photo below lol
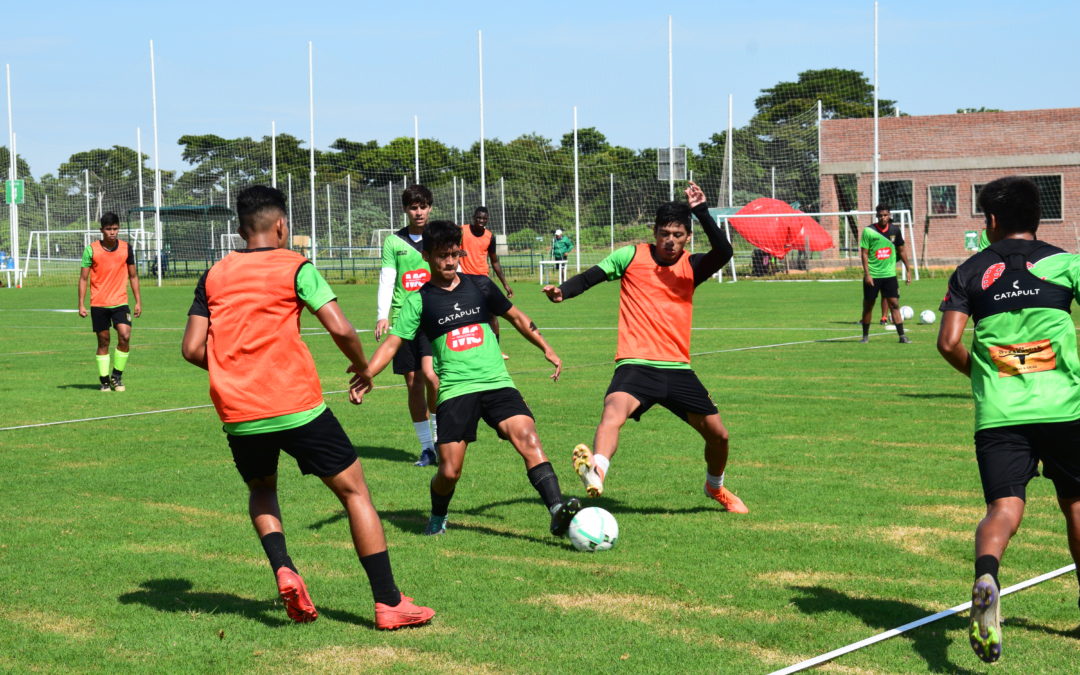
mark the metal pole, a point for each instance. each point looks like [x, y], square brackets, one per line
[13, 172]
[348, 208]
[311, 150]
[670, 116]
[611, 208]
[138, 151]
[86, 191]
[228, 200]
[416, 147]
[502, 204]
[483, 168]
[731, 157]
[773, 182]
[273, 153]
[453, 211]
[329, 224]
[877, 155]
[290, 211]
[48, 237]
[577, 201]
[390, 197]
[157, 164]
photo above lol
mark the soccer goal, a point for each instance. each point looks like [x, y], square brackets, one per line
[58, 252]
[229, 242]
[378, 236]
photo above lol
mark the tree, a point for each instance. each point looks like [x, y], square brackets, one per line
[843, 94]
[965, 111]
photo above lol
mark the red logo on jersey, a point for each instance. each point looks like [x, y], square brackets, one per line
[883, 253]
[993, 273]
[466, 337]
[413, 280]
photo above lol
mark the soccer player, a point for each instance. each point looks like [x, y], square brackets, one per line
[878, 246]
[478, 245]
[244, 328]
[453, 310]
[404, 272]
[652, 362]
[1025, 379]
[109, 265]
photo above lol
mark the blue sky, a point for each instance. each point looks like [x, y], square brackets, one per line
[81, 74]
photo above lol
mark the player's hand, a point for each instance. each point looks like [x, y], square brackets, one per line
[357, 391]
[695, 195]
[138, 309]
[381, 327]
[867, 280]
[509, 292]
[554, 359]
[359, 384]
[554, 293]
[82, 311]
[908, 281]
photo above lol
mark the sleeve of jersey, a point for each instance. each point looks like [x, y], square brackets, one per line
[496, 302]
[956, 298]
[88, 256]
[864, 239]
[1062, 269]
[899, 236]
[199, 306]
[615, 264]
[407, 322]
[387, 279]
[312, 288]
[131, 255]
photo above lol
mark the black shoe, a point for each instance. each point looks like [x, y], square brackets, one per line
[560, 520]
[865, 339]
[105, 384]
[117, 381]
[905, 340]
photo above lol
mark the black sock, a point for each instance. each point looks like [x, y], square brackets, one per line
[987, 564]
[274, 545]
[543, 478]
[104, 379]
[865, 330]
[381, 578]
[900, 329]
[440, 504]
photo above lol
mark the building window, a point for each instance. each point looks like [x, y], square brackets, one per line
[1050, 196]
[942, 200]
[896, 194]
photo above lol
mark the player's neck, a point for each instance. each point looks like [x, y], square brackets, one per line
[415, 229]
[445, 284]
[477, 231]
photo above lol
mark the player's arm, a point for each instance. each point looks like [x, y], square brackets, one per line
[864, 255]
[84, 275]
[950, 342]
[576, 285]
[497, 266]
[387, 279]
[193, 346]
[720, 252]
[133, 278]
[530, 332]
[903, 253]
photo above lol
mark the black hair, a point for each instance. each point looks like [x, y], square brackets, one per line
[1014, 203]
[255, 202]
[478, 210]
[414, 194]
[441, 235]
[673, 212]
[881, 207]
[109, 218]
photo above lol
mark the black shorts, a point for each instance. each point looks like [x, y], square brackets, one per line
[102, 318]
[459, 416]
[319, 447]
[407, 359]
[888, 287]
[677, 389]
[1009, 458]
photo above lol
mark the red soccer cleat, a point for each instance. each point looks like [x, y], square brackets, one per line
[402, 615]
[727, 499]
[298, 603]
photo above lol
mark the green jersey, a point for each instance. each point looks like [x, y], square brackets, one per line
[1024, 363]
[466, 356]
[402, 254]
[881, 246]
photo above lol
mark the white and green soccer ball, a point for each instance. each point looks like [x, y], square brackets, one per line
[593, 529]
[906, 312]
[927, 316]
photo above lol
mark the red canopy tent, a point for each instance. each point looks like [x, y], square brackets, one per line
[778, 236]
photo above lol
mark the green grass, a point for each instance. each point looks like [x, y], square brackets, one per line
[125, 543]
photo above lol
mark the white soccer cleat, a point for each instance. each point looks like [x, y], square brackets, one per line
[591, 476]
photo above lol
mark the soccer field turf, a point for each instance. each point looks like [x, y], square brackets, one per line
[126, 545]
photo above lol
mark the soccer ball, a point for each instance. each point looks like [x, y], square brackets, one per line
[906, 312]
[927, 316]
[593, 529]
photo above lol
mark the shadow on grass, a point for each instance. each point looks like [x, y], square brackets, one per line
[959, 397]
[931, 642]
[78, 386]
[1014, 622]
[175, 595]
[381, 452]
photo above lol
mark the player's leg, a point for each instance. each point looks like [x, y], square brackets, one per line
[891, 292]
[431, 391]
[632, 391]
[99, 320]
[443, 484]
[870, 294]
[715, 434]
[507, 413]
[122, 321]
[885, 311]
[1062, 466]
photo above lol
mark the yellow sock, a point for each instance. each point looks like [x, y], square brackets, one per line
[102, 365]
[120, 360]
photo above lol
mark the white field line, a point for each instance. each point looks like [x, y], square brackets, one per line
[339, 391]
[880, 637]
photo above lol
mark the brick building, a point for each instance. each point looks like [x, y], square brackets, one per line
[934, 165]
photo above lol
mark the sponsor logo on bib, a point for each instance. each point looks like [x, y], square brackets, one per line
[993, 273]
[1023, 358]
[414, 279]
[883, 253]
[465, 338]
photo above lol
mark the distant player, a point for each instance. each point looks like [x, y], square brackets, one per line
[403, 273]
[878, 247]
[1025, 379]
[244, 327]
[652, 363]
[453, 310]
[109, 264]
[479, 246]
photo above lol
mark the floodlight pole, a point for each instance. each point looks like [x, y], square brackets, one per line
[390, 199]
[577, 201]
[453, 211]
[138, 151]
[348, 208]
[329, 224]
[502, 205]
[611, 208]
[157, 164]
[670, 116]
[273, 154]
[483, 168]
[228, 201]
[86, 191]
[48, 236]
[730, 152]
[416, 147]
[877, 152]
[13, 172]
[311, 150]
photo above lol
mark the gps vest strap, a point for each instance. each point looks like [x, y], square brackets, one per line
[1017, 288]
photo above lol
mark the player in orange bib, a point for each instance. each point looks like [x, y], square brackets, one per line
[478, 244]
[109, 265]
[652, 362]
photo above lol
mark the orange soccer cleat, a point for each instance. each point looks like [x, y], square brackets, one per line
[727, 499]
[298, 603]
[405, 613]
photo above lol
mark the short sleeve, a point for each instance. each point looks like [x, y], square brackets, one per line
[615, 264]
[312, 288]
[199, 306]
[131, 255]
[407, 322]
[899, 241]
[864, 239]
[956, 298]
[88, 256]
[496, 302]
[1062, 269]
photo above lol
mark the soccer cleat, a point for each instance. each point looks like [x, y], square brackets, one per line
[985, 630]
[590, 475]
[560, 520]
[105, 386]
[428, 457]
[405, 613]
[506, 357]
[905, 340]
[298, 603]
[865, 338]
[117, 382]
[884, 320]
[435, 525]
[727, 499]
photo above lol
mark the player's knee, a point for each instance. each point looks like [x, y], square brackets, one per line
[449, 472]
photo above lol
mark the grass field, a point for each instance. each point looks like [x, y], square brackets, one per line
[125, 543]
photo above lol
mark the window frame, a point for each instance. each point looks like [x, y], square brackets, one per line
[955, 200]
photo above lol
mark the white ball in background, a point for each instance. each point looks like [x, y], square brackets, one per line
[906, 312]
[927, 316]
